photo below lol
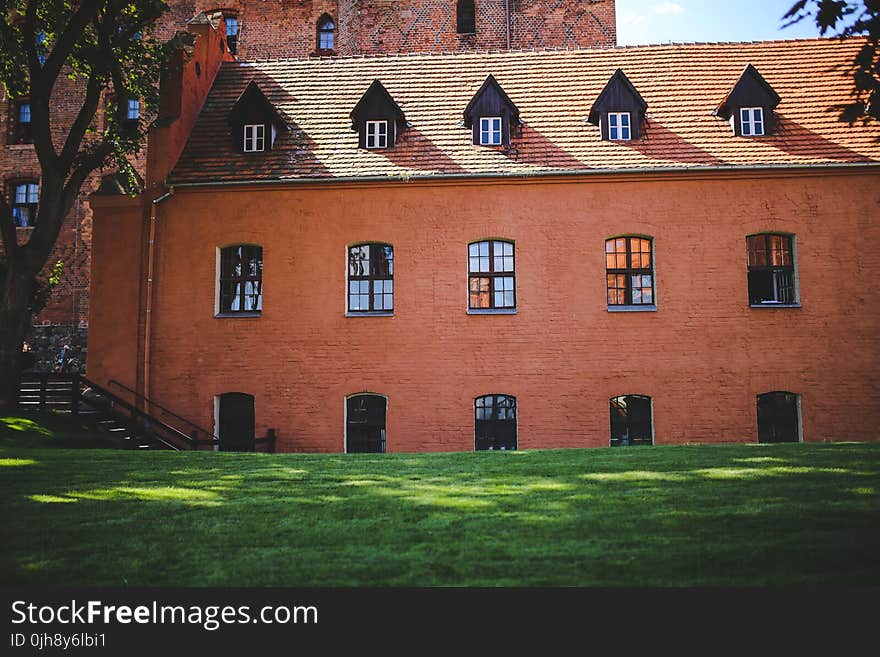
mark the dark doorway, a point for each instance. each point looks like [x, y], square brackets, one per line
[236, 422]
[365, 424]
[778, 418]
[494, 422]
[631, 422]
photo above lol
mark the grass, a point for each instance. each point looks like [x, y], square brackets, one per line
[663, 516]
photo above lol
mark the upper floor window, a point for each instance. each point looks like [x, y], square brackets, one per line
[25, 199]
[618, 126]
[466, 17]
[371, 278]
[254, 138]
[232, 29]
[629, 271]
[779, 418]
[241, 279]
[631, 421]
[490, 131]
[41, 47]
[495, 422]
[377, 134]
[21, 132]
[326, 33]
[772, 279]
[133, 113]
[491, 277]
[751, 121]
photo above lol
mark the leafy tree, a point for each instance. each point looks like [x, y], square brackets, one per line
[91, 47]
[847, 19]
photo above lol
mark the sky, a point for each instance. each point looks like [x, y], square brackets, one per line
[661, 21]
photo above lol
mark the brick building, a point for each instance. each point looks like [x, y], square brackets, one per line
[505, 250]
[283, 28]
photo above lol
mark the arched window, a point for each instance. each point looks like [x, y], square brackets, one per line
[235, 422]
[232, 29]
[491, 275]
[779, 418]
[24, 201]
[631, 421]
[629, 271]
[494, 422]
[466, 20]
[241, 279]
[365, 424]
[772, 279]
[326, 33]
[371, 278]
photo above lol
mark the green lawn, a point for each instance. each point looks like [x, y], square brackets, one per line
[689, 515]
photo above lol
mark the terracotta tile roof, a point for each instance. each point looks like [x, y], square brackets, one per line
[554, 91]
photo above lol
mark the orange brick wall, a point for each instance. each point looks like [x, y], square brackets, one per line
[703, 356]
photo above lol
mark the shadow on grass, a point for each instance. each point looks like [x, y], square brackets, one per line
[707, 515]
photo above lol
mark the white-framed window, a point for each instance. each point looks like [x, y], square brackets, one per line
[377, 134]
[254, 138]
[751, 121]
[133, 113]
[490, 131]
[618, 126]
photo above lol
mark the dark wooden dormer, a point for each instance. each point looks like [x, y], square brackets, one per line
[377, 118]
[251, 110]
[490, 102]
[752, 92]
[619, 111]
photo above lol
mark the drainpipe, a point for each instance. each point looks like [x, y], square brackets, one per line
[148, 319]
[507, 16]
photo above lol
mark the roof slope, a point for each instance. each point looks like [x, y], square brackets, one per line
[554, 91]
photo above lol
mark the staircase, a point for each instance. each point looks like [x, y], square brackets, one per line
[128, 426]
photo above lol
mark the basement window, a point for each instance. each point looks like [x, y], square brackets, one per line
[631, 420]
[495, 423]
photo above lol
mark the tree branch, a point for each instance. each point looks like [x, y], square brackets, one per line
[83, 119]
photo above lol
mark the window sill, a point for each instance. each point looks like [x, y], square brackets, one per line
[491, 311]
[369, 313]
[774, 305]
[647, 308]
[20, 147]
[236, 315]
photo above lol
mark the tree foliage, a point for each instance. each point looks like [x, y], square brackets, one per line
[846, 19]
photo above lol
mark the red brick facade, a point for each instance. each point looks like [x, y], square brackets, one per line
[287, 28]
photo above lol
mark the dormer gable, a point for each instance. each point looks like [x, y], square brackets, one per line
[749, 105]
[619, 110]
[377, 118]
[490, 115]
[255, 121]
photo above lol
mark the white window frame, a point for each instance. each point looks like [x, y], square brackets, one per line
[377, 134]
[624, 131]
[257, 138]
[488, 128]
[751, 117]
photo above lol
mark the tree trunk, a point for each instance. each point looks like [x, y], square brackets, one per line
[15, 318]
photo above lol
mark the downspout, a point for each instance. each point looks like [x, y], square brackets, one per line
[148, 313]
[507, 17]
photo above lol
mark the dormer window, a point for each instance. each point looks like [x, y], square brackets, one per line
[254, 138]
[751, 121]
[491, 115]
[619, 110]
[749, 105]
[377, 134]
[377, 118]
[490, 131]
[618, 126]
[255, 121]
